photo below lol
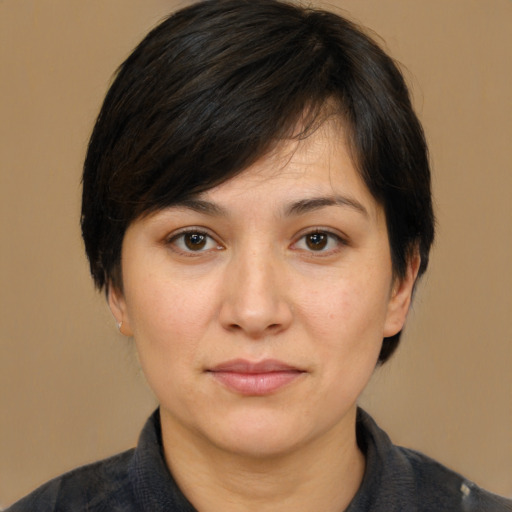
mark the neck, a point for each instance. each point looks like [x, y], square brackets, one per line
[323, 474]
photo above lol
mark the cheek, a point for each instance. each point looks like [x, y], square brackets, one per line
[344, 324]
[347, 314]
[169, 320]
[167, 303]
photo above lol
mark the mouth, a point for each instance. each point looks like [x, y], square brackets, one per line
[255, 378]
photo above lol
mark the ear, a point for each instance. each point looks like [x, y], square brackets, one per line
[117, 305]
[401, 296]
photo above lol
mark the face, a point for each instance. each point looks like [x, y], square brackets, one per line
[259, 307]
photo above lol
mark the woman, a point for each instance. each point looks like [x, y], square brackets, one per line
[257, 208]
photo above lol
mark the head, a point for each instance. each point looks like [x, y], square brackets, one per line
[218, 86]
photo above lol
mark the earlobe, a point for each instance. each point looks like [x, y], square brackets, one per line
[401, 296]
[117, 305]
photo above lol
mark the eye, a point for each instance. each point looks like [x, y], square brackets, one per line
[319, 241]
[193, 241]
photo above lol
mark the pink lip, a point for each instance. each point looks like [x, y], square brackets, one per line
[255, 379]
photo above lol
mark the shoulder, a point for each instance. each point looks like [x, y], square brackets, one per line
[103, 485]
[398, 479]
[137, 479]
[439, 488]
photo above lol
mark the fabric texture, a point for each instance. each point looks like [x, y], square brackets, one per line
[396, 479]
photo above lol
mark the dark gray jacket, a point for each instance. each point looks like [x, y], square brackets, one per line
[396, 480]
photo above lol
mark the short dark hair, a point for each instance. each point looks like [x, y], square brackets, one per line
[215, 86]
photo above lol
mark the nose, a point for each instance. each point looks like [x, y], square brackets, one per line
[255, 297]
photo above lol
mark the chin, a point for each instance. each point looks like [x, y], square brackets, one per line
[260, 435]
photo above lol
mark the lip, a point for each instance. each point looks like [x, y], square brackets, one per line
[255, 378]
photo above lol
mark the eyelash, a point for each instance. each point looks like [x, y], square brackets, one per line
[174, 242]
[174, 239]
[338, 240]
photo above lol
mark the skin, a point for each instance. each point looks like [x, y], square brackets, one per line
[257, 287]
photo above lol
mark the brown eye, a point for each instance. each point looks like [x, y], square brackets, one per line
[321, 242]
[317, 241]
[195, 241]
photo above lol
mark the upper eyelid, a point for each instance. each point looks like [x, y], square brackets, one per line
[190, 229]
[335, 233]
[172, 242]
[340, 241]
[328, 231]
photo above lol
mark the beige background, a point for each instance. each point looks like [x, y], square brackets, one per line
[70, 388]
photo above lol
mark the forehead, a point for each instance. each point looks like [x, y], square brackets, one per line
[318, 166]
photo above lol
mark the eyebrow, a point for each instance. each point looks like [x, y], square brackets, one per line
[315, 203]
[296, 208]
[202, 206]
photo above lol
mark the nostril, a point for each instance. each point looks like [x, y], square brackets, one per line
[256, 313]
[272, 328]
